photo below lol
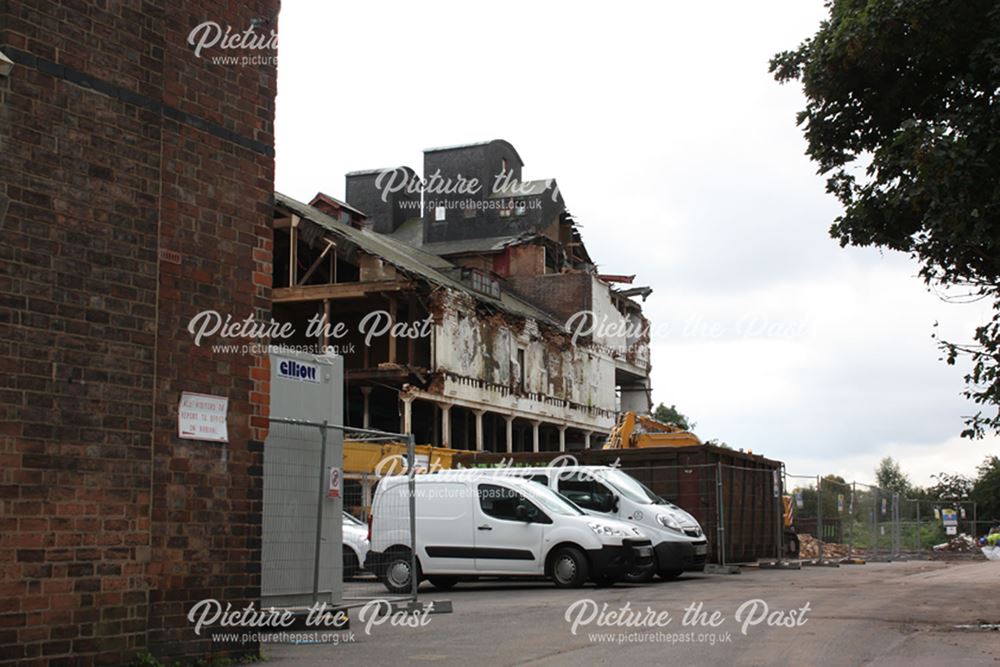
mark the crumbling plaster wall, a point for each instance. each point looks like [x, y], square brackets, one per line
[485, 347]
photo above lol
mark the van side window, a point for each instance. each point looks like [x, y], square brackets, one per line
[500, 502]
[541, 479]
[587, 492]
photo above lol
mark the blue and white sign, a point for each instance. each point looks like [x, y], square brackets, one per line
[298, 370]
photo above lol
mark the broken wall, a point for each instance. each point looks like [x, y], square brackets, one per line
[469, 344]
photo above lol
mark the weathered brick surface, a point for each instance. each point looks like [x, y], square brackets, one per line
[116, 143]
[563, 294]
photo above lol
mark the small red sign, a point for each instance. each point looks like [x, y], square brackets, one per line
[334, 487]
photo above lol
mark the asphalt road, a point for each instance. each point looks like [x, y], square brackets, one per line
[902, 613]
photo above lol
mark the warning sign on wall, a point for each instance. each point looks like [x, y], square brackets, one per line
[202, 417]
[333, 490]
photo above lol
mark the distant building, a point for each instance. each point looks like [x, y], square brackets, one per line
[499, 271]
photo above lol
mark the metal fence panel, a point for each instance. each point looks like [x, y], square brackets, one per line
[315, 532]
[299, 562]
[397, 515]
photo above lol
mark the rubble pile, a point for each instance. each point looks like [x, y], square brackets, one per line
[809, 548]
[962, 544]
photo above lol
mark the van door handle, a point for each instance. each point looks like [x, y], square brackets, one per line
[486, 527]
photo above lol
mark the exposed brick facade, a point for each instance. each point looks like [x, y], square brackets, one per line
[140, 182]
[562, 294]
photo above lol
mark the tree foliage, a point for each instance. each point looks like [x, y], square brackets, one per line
[948, 486]
[672, 415]
[986, 489]
[834, 489]
[890, 477]
[903, 116]
[715, 442]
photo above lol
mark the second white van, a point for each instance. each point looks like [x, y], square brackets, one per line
[470, 526]
[679, 545]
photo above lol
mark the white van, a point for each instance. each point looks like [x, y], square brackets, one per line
[679, 544]
[469, 525]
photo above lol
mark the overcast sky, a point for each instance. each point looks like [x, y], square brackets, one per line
[679, 154]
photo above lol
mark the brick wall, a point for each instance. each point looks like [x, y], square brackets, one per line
[139, 180]
[562, 294]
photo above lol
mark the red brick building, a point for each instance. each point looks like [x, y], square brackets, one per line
[136, 182]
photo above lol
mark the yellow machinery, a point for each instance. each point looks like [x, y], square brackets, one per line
[367, 462]
[635, 431]
[366, 457]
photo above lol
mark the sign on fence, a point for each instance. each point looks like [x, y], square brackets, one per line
[336, 479]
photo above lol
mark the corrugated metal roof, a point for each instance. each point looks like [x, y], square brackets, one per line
[411, 260]
[411, 232]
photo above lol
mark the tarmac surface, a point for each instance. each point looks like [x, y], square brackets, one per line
[901, 613]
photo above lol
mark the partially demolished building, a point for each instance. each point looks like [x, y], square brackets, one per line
[465, 304]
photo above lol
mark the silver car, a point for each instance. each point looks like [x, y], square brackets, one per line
[355, 538]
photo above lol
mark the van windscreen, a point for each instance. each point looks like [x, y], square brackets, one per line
[630, 487]
[554, 502]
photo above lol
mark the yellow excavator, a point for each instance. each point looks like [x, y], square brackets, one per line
[633, 431]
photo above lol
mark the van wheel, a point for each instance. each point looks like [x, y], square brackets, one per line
[671, 574]
[442, 583]
[569, 568]
[398, 577]
[640, 575]
[351, 566]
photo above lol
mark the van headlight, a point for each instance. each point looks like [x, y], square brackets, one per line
[604, 529]
[667, 521]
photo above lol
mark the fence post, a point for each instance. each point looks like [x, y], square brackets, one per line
[896, 501]
[411, 462]
[319, 511]
[719, 528]
[366, 493]
[850, 538]
[920, 538]
[819, 516]
[892, 526]
[875, 509]
[779, 516]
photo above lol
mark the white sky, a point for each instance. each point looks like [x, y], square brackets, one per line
[679, 154]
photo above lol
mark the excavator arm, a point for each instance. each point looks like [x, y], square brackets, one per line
[632, 431]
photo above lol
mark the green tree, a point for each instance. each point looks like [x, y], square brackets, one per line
[833, 486]
[672, 415]
[902, 115]
[986, 489]
[715, 442]
[890, 477]
[949, 487]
